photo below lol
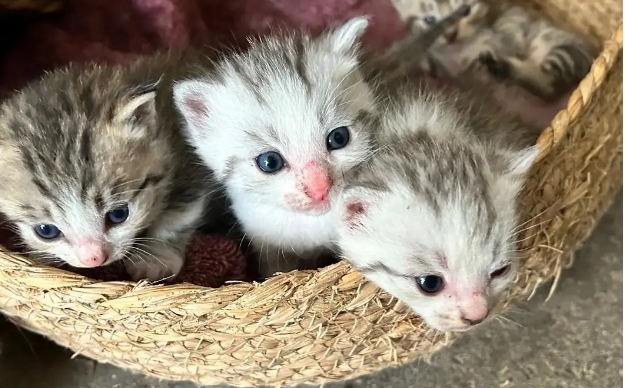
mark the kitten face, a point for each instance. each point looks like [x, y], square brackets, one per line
[433, 223]
[82, 176]
[429, 12]
[284, 120]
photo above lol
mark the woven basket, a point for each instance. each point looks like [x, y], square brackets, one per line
[331, 324]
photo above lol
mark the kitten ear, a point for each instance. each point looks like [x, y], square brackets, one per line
[141, 109]
[355, 204]
[522, 161]
[191, 102]
[345, 37]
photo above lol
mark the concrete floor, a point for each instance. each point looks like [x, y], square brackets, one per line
[573, 340]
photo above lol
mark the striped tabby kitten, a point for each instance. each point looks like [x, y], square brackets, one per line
[94, 170]
[432, 218]
[517, 45]
[536, 55]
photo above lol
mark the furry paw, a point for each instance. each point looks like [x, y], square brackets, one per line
[156, 265]
[497, 67]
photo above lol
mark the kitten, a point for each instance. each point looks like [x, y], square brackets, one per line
[281, 124]
[516, 45]
[431, 217]
[409, 56]
[461, 43]
[531, 52]
[94, 169]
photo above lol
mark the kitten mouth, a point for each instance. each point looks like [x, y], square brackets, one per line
[320, 207]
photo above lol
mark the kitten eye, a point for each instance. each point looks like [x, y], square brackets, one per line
[338, 138]
[429, 19]
[47, 231]
[500, 272]
[118, 215]
[270, 162]
[430, 284]
[467, 10]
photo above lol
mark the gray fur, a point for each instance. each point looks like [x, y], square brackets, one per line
[438, 197]
[61, 138]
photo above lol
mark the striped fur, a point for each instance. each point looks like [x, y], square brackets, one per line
[439, 198]
[531, 51]
[85, 139]
[513, 44]
[285, 94]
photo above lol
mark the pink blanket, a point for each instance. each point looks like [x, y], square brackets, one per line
[118, 30]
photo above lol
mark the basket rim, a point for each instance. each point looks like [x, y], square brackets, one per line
[48, 278]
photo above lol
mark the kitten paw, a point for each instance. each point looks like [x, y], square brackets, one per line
[158, 265]
[497, 67]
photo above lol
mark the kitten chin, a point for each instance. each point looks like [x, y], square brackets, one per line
[99, 175]
[432, 218]
[282, 124]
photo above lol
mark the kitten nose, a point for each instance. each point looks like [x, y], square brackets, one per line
[91, 252]
[317, 181]
[95, 260]
[474, 309]
[475, 316]
[473, 322]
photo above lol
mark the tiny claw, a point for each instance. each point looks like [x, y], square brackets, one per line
[496, 67]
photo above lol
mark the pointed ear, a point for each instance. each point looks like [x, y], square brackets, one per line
[191, 102]
[355, 204]
[141, 108]
[346, 37]
[522, 161]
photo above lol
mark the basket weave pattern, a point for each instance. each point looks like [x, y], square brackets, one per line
[316, 326]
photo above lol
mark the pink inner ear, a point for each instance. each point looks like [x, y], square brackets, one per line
[353, 212]
[195, 106]
[142, 113]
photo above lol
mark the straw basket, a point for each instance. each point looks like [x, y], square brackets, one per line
[316, 326]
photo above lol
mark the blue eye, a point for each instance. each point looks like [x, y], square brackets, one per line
[430, 284]
[429, 19]
[270, 162]
[500, 272]
[338, 138]
[47, 231]
[118, 215]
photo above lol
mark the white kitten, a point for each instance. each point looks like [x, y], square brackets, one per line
[281, 124]
[431, 218]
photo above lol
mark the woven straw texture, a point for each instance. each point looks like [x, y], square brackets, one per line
[317, 326]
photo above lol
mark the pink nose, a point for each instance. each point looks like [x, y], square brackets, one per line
[474, 310]
[475, 315]
[95, 260]
[317, 182]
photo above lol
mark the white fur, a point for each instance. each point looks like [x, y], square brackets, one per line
[233, 127]
[401, 230]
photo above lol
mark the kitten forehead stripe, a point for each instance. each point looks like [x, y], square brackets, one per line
[252, 85]
[300, 64]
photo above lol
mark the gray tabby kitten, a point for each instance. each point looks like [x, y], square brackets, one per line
[517, 45]
[431, 218]
[533, 53]
[94, 169]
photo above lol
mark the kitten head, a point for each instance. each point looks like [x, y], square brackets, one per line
[432, 220]
[81, 165]
[284, 120]
[429, 12]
